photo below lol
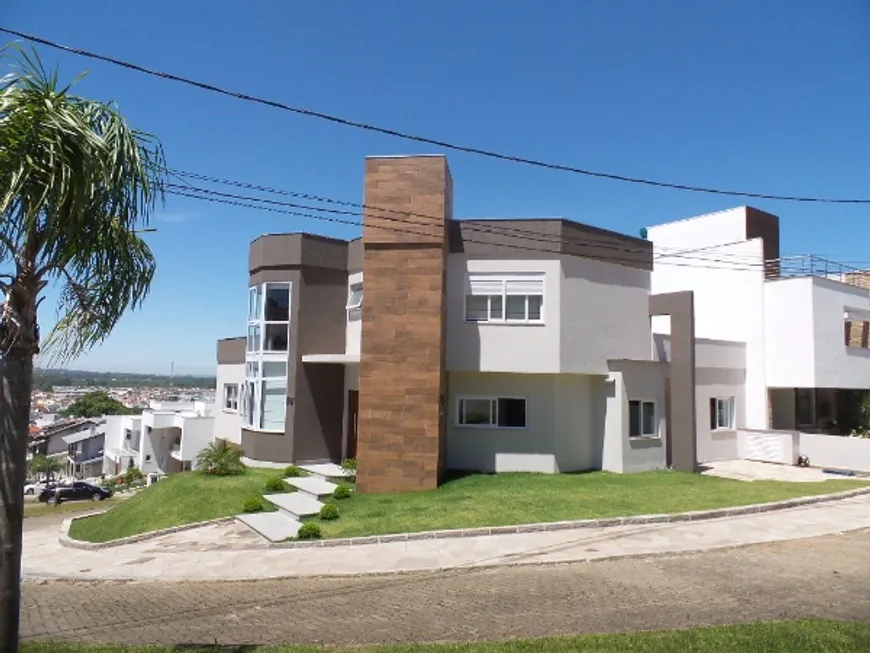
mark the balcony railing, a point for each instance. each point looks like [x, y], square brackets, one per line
[810, 265]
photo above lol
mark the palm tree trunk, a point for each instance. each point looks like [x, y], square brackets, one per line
[16, 381]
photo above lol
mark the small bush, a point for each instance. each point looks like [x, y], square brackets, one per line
[329, 512]
[349, 464]
[275, 484]
[254, 504]
[342, 492]
[293, 472]
[132, 475]
[309, 531]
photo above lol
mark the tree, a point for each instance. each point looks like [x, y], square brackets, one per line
[76, 184]
[96, 403]
[221, 458]
[42, 464]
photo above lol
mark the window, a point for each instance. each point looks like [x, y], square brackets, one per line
[721, 413]
[355, 297]
[505, 299]
[231, 396]
[264, 394]
[269, 318]
[642, 422]
[495, 412]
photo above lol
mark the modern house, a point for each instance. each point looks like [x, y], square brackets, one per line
[798, 326]
[164, 439]
[536, 344]
[85, 450]
[433, 343]
[50, 440]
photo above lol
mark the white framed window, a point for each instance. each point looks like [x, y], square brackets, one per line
[231, 396]
[492, 412]
[642, 419]
[505, 299]
[264, 394]
[354, 302]
[721, 413]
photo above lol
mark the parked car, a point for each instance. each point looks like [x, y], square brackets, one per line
[77, 491]
[38, 486]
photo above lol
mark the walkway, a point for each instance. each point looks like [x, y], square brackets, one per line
[231, 552]
[824, 577]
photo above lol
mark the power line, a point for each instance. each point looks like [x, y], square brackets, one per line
[491, 227]
[192, 194]
[424, 139]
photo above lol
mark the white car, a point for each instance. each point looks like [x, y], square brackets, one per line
[34, 488]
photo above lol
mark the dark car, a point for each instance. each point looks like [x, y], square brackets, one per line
[77, 491]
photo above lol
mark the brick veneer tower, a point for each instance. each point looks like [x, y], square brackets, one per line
[402, 384]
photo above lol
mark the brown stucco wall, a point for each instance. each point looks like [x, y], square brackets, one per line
[231, 351]
[402, 378]
[317, 268]
[547, 238]
[682, 442]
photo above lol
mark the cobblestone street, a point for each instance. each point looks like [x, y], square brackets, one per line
[822, 577]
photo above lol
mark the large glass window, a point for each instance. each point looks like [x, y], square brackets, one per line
[265, 391]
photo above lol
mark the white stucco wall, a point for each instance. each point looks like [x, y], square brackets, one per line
[836, 452]
[838, 366]
[729, 290]
[633, 380]
[475, 347]
[196, 434]
[592, 311]
[604, 315]
[708, 230]
[532, 449]
[353, 330]
[228, 424]
[804, 322]
[720, 372]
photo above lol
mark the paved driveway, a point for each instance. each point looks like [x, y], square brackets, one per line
[822, 577]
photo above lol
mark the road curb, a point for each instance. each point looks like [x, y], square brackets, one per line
[637, 520]
[67, 541]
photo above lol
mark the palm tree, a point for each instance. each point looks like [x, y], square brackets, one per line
[221, 458]
[75, 183]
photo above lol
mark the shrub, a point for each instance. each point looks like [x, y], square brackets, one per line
[254, 504]
[342, 492]
[293, 471]
[329, 512]
[309, 531]
[349, 464]
[275, 484]
[132, 475]
[221, 458]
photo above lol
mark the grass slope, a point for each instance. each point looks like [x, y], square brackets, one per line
[507, 499]
[776, 637]
[181, 498]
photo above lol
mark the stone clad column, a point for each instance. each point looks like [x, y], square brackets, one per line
[402, 379]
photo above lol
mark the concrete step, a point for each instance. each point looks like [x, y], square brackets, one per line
[313, 486]
[327, 471]
[295, 504]
[274, 526]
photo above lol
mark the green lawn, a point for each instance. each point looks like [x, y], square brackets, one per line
[507, 499]
[777, 637]
[178, 499]
[36, 509]
[469, 501]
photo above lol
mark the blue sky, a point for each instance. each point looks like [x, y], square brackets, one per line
[765, 96]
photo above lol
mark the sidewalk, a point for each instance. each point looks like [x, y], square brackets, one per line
[231, 552]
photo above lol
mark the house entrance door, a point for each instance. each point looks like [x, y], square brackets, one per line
[352, 420]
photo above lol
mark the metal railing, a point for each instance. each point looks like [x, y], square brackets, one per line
[809, 265]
